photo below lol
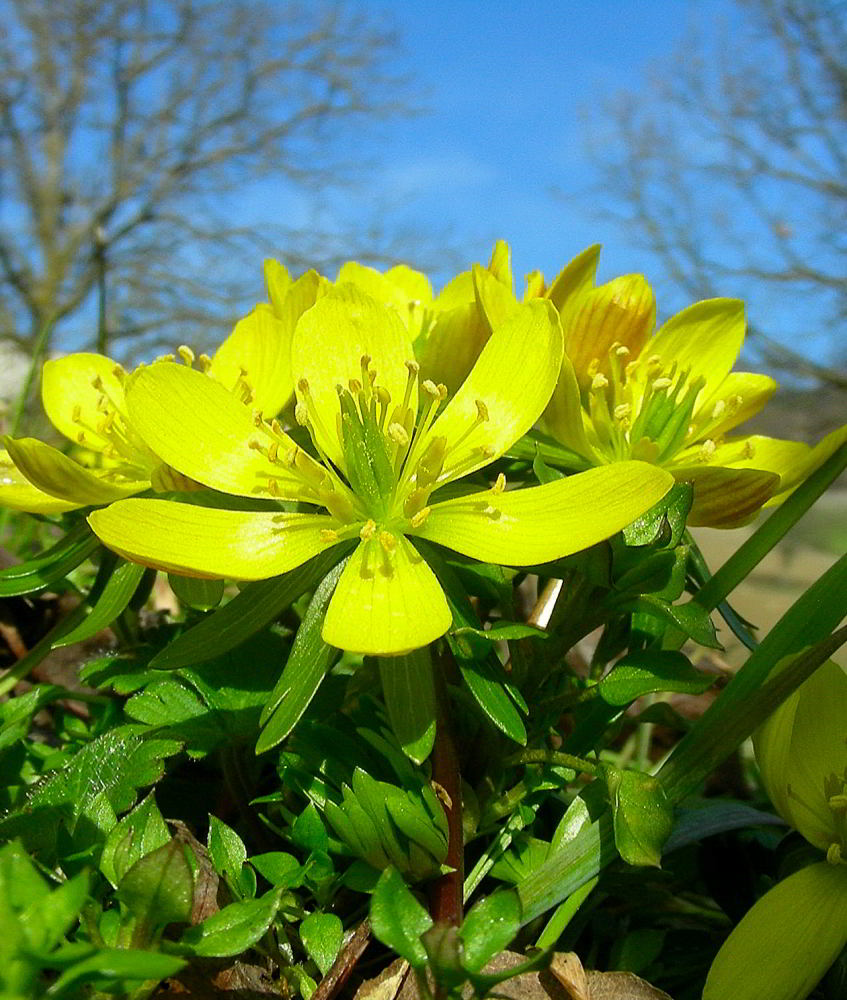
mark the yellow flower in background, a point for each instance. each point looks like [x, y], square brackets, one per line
[785, 943]
[382, 445]
[670, 398]
[83, 396]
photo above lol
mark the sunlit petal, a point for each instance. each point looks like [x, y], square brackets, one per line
[18, 493]
[329, 343]
[704, 339]
[575, 277]
[814, 460]
[563, 415]
[258, 354]
[386, 602]
[71, 398]
[195, 425]
[512, 379]
[740, 396]
[535, 525]
[210, 542]
[59, 476]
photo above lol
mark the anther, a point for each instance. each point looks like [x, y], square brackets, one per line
[481, 409]
[599, 381]
[165, 357]
[355, 386]
[368, 530]
[499, 484]
[387, 541]
[273, 488]
[303, 386]
[76, 413]
[622, 411]
[276, 427]
[707, 450]
[273, 451]
[420, 517]
[120, 373]
[257, 418]
[187, 355]
[662, 383]
[301, 414]
[622, 351]
[749, 450]
[254, 444]
[97, 383]
[329, 535]
[204, 361]
[397, 433]
[718, 409]
[430, 388]
[413, 367]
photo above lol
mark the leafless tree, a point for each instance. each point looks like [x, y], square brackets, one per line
[125, 127]
[732, 170]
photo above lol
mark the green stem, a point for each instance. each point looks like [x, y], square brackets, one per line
[445, 894]
[554, 757]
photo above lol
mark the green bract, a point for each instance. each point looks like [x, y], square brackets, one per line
[382, 445]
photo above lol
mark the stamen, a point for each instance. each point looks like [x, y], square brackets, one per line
[76, 413]
[397, 433]
[187, 355]
[368, 530]
[599, 381]
[707, 450]
[499, 484]
[718, 409]
[120, 373]
[301, 414]
[420, 517]
[204, 362]
[164, 357]
[387, 541]
[622, 412]
[661, 383]
[329, 535]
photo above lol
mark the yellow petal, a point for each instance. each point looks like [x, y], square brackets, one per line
[415, 285]
[59, 476]
[18, 493]
[329, 343]
[200, 429]
[278, 281]
[500, 264]
[755, 451]
[724, 497]
[452, 344]
[535, 525]
[496, 300]
[575, 277]
[386, 603]
[705, 339]
[514, 378]
[563, 417]
[621, 312]
[209, 542]
[740, 396]
[71, 401]
[257, 354]
[787, 941]
[814, 459]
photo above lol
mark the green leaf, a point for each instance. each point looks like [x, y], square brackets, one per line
[159, 888]
[117, 963]
[228, 853]
[282, 870]
[308, 663]
[647, 671]
[114, 765]
[664, 523]
[233, 929]
[642, 814]
[113, 599]
[248, 612]
[53, 565]
[504, 630]
[197, 593]
[696, 821]
[542, 471]
[398, 919]
[489, 927]
[308, 832]
[138, 833]
[691, 618]
[480, 668]
[409, 691]
[322, 935]
[48, 918]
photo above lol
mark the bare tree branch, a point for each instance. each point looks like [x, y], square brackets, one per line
[731, 170]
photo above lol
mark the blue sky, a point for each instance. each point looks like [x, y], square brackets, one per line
[509, 91]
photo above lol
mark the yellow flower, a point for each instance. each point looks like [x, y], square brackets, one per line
[787, 941]
[83, 395]
[384, 446]
[671, 398]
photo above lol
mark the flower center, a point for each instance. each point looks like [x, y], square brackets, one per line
[641, 409]
[390, 462]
